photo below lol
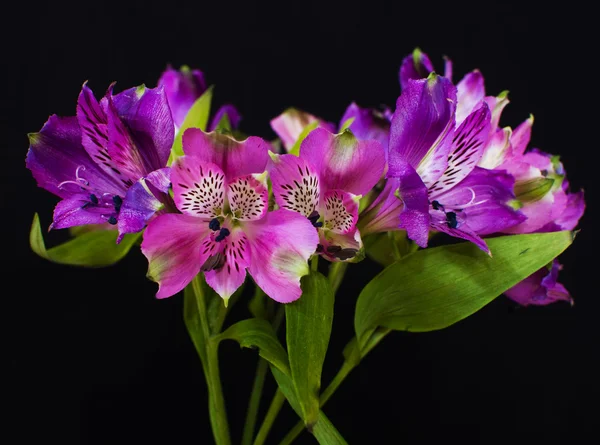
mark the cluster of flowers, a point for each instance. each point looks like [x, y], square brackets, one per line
[439, 162]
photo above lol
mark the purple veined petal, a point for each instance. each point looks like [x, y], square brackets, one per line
[296, 185]
[439, 223]
[521, 136]
[384, 213]
[540, 288]
[497, 104]
[281, 244]
[142, 202]
[467, 147]
[290, 124]
[342, 161]
[78, 210]
[481, 202]
[340, 211]
[415, 66]
[235, 158]
[182, 88]
[569, 218]
[248, 197]
[422, 127]
[175, 246]
[146, 113]
[61, 165]
[336, 247]
[198, 187]
[232, 113]
[368, 123]
[226, 279]
[470, 91]
[498, 149]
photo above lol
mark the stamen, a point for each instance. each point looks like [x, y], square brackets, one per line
[313, 218]
[214, 224]
[346, 254]
[223, 233]
[79, 182]
[94, 199]
[112, 220]
[451, 220]
[437, 206]
[117, 201]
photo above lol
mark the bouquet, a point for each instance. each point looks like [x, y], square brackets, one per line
[216, 211]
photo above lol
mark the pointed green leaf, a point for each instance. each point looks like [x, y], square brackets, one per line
[197, 117]
[97, 248]
[308, 327]
[258, 333]
[435, 288]
[295, 150]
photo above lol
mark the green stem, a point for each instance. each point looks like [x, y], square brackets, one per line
[314, 263]
[274, 408]
[336, 275]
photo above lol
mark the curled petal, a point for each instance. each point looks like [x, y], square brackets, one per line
[234, 158]
[415, 66]
[173, 244]
[281, 244]
[296, 185]
[198, 187]
[540, 288]
[343, 162]
[182, 88]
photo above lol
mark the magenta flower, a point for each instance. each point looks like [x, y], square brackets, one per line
[107, 163]
[183, 88]
[540, 288]
[290, 124]
[324, 185]
[224, 227]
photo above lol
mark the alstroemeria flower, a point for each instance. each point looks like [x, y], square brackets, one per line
[324, 185]
[290, 124]
[107, 163]
[433, 182]
[540, 288]
[368, 123]
[225, 227]
[183, 88]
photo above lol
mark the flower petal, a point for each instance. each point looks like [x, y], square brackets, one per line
[296, 185]
[248, 198]
[470, 91]
[497, 104]
[521, 136]
[290, 124]
[173, 245]
[342, 161]
[61, 165]
[340, 211]
[422, 126]
[467, 148]
[336, 247]
[368, 123]
[569, 218]
[281, 244]
[439, 223]
[141, 202]
[497, 149]
[416, 66]
[540, 288]
[235, 158]
[182, 88]
[198, 187]
[225, 280]
[77, 210]
[226, 111]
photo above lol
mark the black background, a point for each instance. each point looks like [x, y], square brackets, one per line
[94, 358]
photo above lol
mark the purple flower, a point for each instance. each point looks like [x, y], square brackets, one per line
[324, 185]
[540, 288]
[225, 227]
[368, 123]
[107, 163]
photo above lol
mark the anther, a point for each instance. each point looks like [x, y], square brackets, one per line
[437, 206]
[214, 224]
[112, 220]
[117, 201]
[346, 254]
[223, 233]
[213, 262]
[451, 220]
[94, 199]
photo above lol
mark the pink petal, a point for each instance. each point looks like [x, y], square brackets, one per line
[296, 184]
[173, 244]
[521, 137]
[290, 124]
[470, 91]
[340, 211]
[343, 162]
[248, 198]
[235, 158]
[281, 244]
[198, 187]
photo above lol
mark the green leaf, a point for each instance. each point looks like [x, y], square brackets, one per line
[308, 327]
[224, 125]
[258, 333]
[295, 150]
[435, 288]
[384, 248]
[96, 248]
[197, 117]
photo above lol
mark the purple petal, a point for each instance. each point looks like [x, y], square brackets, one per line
[467, 148]
[368, 123]
[142, 202]
[296, 185]
[146, 114]
[198, 187]
[470, 91]
[521, 136]
[384, 213]
[439, 223]
[448, 68]
[569, 218]
[540, 288]
[77, 210]
[60, 164]
[173, 244]
[230, 112]
[343, 162]
[235, 158]
[422, 126]
[415, 66]
[225, 280]
[182, 88]
[290, 124]
[281, 244]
